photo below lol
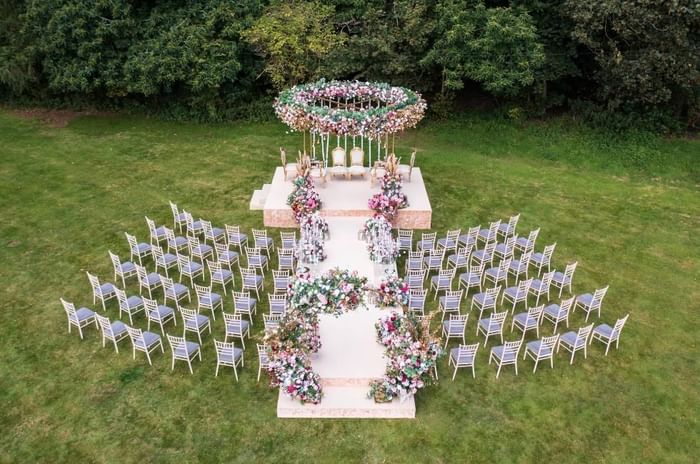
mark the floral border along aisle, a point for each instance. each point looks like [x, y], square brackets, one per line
[412, 354]
[296, 337]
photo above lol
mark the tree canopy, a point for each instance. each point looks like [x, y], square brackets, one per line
[207, 59]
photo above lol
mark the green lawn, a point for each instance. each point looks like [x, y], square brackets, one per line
[627, 209]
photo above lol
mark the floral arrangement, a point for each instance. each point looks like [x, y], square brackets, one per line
[391, 185]
[368, 109]
[393, 291]
[310, 250]
[290, 370]
[297, 335]
[384, 205]
[314, 225]
[304, 199]
[375, 226]
[346, 290]
[412, 354]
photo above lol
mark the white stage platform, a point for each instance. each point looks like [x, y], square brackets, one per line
[348, 198]
[349, 356]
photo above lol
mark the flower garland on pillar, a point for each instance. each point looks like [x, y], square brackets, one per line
[391, 198]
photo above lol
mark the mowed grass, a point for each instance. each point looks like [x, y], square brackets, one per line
[628, 210]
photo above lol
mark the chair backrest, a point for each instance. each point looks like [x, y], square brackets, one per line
[105, 325]
[277, 301]
[446, 275]
[453, 235]
[511, 349]
[270, 320]
[136, 336]
[547, 345]
[158, 254]
[598, 296]
[182, 262]
[289, 239]
[94, 283]
[121, 298]
[436, 255]
[467, 352]
[232, 320]
[524, 287]
[280, 275]
[241, 299]
[453, 299]
[503, 267]
[458, 322]
[174, 209]
[133, 243]
[546, 280]
[150, 306]
[232, 231]
[565, 306]
[406, 233]
[417, 275]
[151, 225]
[617, 329]
[357, 156]
[490, 247]
[206, 225]
[259, 234]
[416, 299]
[532, 237]
[416, 255]
[116, 262]
[473, 232]
[169, 234]
[221, 249]
[224, 349]
[202, 291]
[252, 252]
[141, 273]
[496, 322]
[476, 269]
[428, 237]
[214, 267]
[263, 358]
[510, 244]
[513, 222]
[525, 259]
[548, 251]
[583, 334]
[493, 292]
[493, 230]
[177, 343]
[168, 285]
[569, 270]
[68, 307]
[338, 156]
[188, 219]
[535, 313]
[247, 274]
[465, 251]
[189, 315]
[192, 243]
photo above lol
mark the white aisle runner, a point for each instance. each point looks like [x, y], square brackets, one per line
[350, 355]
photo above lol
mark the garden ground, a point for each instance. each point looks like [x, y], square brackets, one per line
[627, 208]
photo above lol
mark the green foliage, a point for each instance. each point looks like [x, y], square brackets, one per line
[647, 53]
[213, 59]
[495, 46]
[294, 38]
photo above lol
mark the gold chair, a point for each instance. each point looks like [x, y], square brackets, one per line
[339, 167]
[357, 162]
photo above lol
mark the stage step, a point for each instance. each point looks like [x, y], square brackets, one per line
[348, 403]
[257, 202]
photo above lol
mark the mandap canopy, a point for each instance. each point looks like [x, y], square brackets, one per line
[368, 111]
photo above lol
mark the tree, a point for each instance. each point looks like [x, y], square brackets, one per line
[293, 38]
[497, 47]
[646, 52]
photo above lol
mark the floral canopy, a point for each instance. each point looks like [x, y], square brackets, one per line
[350, 108]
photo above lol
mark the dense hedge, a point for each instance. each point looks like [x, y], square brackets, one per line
[223, 59]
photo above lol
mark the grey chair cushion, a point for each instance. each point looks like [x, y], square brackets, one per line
[189, 349]
[498, 351]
